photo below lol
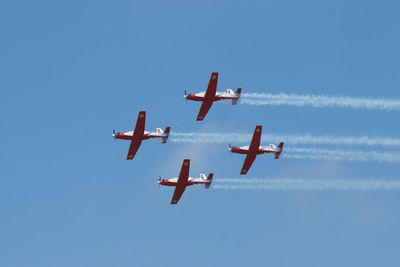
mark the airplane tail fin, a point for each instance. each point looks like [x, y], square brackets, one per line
[238, 92]
[209, 180]
[280, 146]
[166, 134]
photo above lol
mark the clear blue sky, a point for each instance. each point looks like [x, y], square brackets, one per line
[72, 71]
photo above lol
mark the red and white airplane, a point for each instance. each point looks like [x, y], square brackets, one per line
[211, 95]
[139, 134]
[255, 149]
[184, 180]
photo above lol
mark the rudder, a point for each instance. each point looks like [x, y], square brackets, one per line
[238, 92]
[209, 179]
[166, 134]
[280, 146]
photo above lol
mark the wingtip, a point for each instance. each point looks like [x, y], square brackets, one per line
[142, 114]
[174, 201]
[214, 76]
[258, 129]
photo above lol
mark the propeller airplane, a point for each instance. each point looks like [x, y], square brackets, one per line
[139, 134]
[255, 149]
[211, 95]
[184, 180]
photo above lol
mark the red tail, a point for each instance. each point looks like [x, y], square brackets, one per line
[238, 92]
[280, 146]
[209, 179]
[166, 134]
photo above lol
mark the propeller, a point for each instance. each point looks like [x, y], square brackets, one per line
[159, 179]
[185, 95]
[114, 135]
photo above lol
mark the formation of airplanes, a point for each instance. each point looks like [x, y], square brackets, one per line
[207, 98]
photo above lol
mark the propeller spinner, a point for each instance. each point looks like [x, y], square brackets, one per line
[114, 135]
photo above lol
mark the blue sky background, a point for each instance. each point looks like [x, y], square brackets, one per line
[73, 71]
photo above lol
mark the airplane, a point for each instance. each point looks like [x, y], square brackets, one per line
[212, 95]
[139, 134]
[184, 180]
[255, 149]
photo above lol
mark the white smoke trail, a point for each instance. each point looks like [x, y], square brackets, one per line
[284, 184]
[293, 139]
[341, 155]
[267, 99]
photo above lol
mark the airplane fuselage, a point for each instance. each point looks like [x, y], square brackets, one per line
[245, 150]
[174, 181]
[146, 135]
[217, 97]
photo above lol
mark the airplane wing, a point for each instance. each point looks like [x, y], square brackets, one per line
[137, 135]
[255, 141]
[212, 86]
[209, 96]
[182, 181]
[247, 163]
[253, 148]
[205, 106]
[133, 148]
